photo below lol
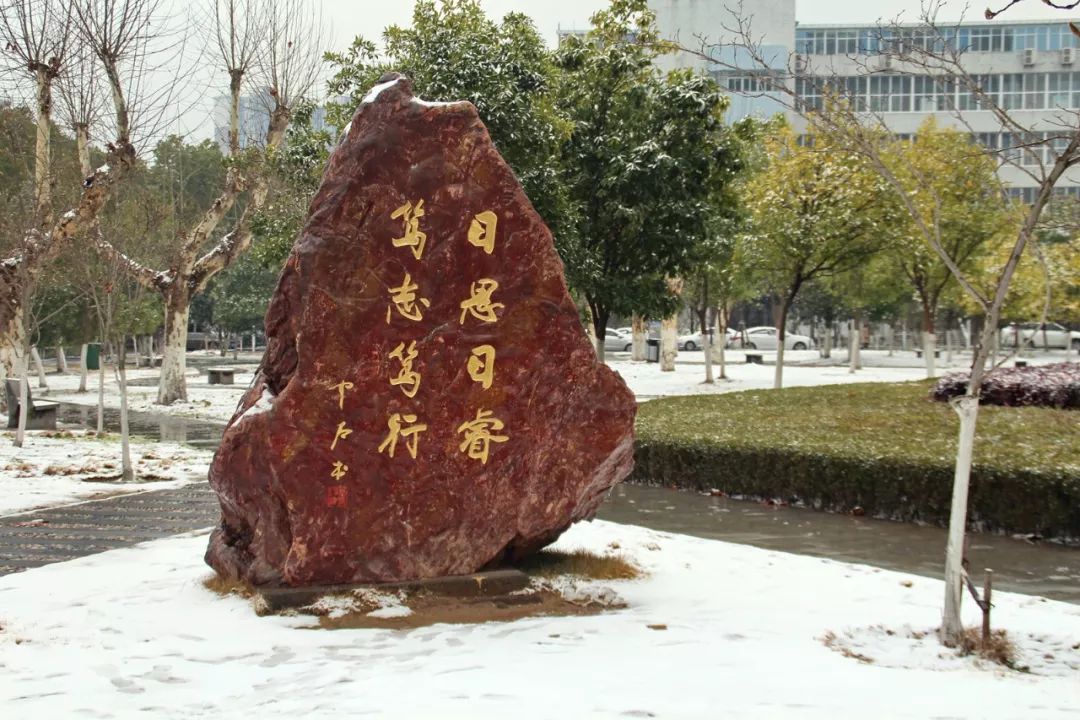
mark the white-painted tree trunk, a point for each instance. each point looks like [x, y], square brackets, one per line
[24, 406]
[948, 347]
[127, 471]
[253, 336]
[173, 385]
[708, 338]
[967, 408]
[890, 338]
[83, 372]
[826, 351]
[61, 360]
[929, 346]
[101, 391]
[778, 375]
[669, 343]
[640, 338]
[39, 368]
[853, 347]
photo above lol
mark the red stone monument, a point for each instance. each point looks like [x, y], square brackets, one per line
[429, 404]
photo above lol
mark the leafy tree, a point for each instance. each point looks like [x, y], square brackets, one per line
[296, 172]
[645, 156]
[241, 294]
[954, 184]
[818, 211]
[453, 51]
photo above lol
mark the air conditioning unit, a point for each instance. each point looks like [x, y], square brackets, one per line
[1068, 55]
[800, 63]
[1028, 57]
[888, 62]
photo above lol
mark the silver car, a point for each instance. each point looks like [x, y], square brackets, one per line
[614, 341]
[764, 338]
[1030, 335]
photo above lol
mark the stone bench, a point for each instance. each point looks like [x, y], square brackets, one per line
[42, 415]
[755, 359]
[918, 353]
[220, 375]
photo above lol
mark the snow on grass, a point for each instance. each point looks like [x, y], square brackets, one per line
[58, 468]
[713, 630]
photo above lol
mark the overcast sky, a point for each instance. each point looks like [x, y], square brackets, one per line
[369, 17]
[349, 18]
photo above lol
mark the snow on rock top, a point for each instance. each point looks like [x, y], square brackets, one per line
[373, 93]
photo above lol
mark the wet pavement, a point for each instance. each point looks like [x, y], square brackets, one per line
[39, 538]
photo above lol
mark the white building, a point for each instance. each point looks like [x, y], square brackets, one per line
[1031, 69]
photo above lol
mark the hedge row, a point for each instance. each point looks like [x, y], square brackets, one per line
[721, 446]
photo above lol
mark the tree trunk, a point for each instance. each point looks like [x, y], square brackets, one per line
[669, 343]
[101, 391]
[780, 311]
[640, 338]
[853, 343]
[82, 144]
[127, 472]
[61, 361]
[39, 367]
[43, 150]
[826, 351]
[929, 339]
[173, 385]
[721, 334]
[24, 392]
[83, 372]
[13, 338]
[236, 79]
[929, 348]
[967, 407]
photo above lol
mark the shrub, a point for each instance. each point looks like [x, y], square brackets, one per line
[883, 448]
[1055, 385]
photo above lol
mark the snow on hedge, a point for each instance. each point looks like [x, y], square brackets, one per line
[1056, 385]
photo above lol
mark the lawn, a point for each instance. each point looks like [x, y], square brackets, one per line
[883, 449]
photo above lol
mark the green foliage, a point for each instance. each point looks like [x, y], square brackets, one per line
[452, 51]
[885, 448]
[296, 172]
[241, 293]
[955, 191]
[818, 212]
[647, 156]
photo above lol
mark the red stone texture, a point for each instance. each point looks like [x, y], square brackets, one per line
[567, 419]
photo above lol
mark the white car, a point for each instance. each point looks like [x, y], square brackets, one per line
[696, 341]
[615, 341]
[1030, 335]
[764, 338]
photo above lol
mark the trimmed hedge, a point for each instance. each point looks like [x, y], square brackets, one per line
[884, 448]
[1056, 385]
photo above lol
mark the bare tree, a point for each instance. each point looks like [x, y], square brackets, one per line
[1043, 152]
[238, 30]
[35, 35]
[38, 34]
[284, 73]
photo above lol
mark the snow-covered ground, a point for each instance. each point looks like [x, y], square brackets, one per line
[714, 630]
[53, 469]
[205, 401]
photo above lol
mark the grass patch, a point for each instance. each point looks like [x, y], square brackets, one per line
[554, 563]
[997, 649]
[226, 586]
[882, 447]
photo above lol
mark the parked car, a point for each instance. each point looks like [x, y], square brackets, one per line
[1030, 334]
[764, 338]
[696, 341]
[614, 341]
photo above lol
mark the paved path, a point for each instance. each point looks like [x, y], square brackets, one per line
[39, 538]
